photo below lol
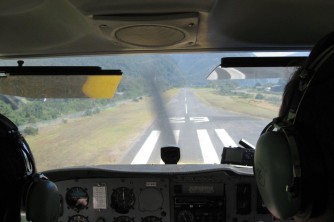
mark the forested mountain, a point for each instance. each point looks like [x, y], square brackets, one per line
[173, 70]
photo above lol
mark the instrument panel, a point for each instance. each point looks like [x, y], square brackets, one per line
[115, 199]
[207, 194]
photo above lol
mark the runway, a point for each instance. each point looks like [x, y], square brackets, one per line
[201, 132]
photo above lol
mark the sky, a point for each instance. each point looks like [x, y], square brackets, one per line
[275, 54]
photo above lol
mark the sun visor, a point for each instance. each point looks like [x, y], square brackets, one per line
[59, 82]
[230, 62]
[256, 67]
[101, 86]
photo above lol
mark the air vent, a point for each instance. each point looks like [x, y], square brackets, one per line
[244, 199]
[149, 31]
[150, 35]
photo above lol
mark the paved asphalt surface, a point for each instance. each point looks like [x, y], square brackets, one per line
[201, 131]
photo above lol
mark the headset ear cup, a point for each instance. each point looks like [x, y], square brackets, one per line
[42, 201]
[314, 184]
[273, 169]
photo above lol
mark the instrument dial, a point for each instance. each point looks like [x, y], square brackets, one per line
[122, 200]
[77, 198]
[151, 219]
[185, 216]
[123, 219]
[78, 218]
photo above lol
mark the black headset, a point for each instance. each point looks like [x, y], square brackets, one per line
[281, 162]
[38, 196]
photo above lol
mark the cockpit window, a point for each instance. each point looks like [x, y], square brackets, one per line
[162, 100]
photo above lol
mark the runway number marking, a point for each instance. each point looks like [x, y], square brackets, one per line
[177, 119]
[192, 119]
[199, 119]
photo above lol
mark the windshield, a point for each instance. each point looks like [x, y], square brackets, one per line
[162, 100]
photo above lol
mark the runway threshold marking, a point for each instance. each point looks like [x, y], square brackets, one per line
[225, 138]
[146, 150]
[177, 137]
[208, 151]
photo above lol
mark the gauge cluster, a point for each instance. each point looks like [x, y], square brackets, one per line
[214, 195]
[117, 200]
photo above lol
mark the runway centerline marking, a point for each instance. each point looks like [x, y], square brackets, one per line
[208, 151]
[186, 106]
[146, 150]
[225, 138]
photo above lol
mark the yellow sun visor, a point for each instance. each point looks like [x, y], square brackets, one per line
[59, 82]
[101, 86]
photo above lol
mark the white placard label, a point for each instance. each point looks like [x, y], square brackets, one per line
[151, 184]
[99, 197]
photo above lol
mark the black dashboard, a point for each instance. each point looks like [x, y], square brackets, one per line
[159, 193]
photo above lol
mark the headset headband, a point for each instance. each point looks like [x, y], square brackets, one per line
[11, 132]
[306, 78]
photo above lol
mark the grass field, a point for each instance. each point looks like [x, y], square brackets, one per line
[103, 138]
[251, 107]
[171, 93]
